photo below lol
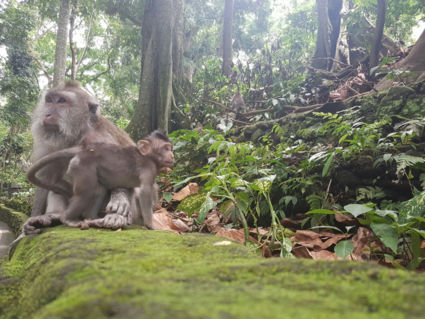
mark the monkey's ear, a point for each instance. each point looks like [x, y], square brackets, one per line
[93, 107]
[144, 147]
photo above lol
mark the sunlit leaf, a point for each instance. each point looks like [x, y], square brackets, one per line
[387, 234]
[357, 209]
[344, 248]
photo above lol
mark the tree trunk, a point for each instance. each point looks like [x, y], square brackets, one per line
[61, 41]
[153, 107]
[342, 49]
[227, 37]
[329, 21]
[178, 47]
[379, 31]
[71, 41]
[414, 62]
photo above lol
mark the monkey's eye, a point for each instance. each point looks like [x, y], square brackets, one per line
[61, 100]
[48, 99]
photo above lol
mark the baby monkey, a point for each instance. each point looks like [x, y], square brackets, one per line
[97, 168]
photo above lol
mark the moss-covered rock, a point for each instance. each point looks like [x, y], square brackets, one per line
[68, 273]
[12, 218]
[19, 205]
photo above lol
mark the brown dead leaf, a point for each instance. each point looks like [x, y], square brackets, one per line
[334, 240]
[346, 220]
[212, 221]
[162, 220]
[308, 238]
[323, 254]
[266, 252]
[190, 189]
[301, 252]
[235, 234]
[362, 243]
[259, 231]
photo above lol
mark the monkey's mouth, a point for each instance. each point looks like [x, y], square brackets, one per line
[169, 164]
[51, 127]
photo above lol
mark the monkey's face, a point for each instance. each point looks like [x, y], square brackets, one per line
[57, 106]
[166, 155]
[66, 112]
[160, 151]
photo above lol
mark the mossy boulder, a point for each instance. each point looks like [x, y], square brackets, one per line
[136, 273]
[14, 219]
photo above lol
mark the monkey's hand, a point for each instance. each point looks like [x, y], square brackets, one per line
[33, 224]
[119, 202]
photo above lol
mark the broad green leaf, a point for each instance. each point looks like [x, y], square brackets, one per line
[206, 206]
[344, 248]
[386, 212]
[357, 209]
[387, 234]
[322, 211]
[420, 232]
[168, 196]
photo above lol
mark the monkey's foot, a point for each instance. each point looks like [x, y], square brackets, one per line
[119, 202]
[33, 224]
[110, 221]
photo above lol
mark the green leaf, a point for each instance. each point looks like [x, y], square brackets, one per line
[387, 234]
[420, 232]
[357, 209]
[384, 213]
[322, 211]
[206, 206]
[327, 165]
[168, 196]
[344, 248]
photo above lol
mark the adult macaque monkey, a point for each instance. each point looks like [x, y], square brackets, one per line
[68, 116]
[96, 168]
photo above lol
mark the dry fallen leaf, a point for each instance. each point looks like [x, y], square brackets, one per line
[362, 241]
[190, 189]
[301, 252]
[324, 254]
[308, 238]
[235, 234]
[212, 221]
[162, 220]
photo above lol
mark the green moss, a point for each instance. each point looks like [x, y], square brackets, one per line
[68, 273]
[192, 203]
[19, 205]
[12, 218]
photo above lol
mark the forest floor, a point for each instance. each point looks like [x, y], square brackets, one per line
[136, 273]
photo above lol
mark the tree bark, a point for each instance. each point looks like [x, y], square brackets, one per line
[414, 62]
[153, 107]
[61, 41]
[379, 31]
[329, 21]
[227, 37]
[71, 41]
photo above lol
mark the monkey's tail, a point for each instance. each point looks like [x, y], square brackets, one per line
[60, 187]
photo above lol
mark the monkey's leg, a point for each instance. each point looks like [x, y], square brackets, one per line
[88, 193]
[55, 203]
[40, 202]
[145, 203]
